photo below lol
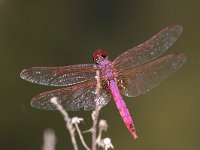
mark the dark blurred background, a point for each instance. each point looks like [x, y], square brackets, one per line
[58, 33]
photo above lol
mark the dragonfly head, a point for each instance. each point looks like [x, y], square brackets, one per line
[99, 55]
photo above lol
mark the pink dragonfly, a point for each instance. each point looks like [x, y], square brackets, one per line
[132, 73]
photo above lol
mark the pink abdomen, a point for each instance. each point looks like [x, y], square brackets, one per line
[123, 110]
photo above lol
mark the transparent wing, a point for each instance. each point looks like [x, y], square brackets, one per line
[149, 50]
[73, 97]
[59, 76]
[139, 80]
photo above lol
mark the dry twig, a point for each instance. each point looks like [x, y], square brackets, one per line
[72, 124]
[49, 140]
[67, 120]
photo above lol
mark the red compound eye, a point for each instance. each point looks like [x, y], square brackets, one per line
[98, 53]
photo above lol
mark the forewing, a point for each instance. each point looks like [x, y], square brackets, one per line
[137, 81]
[73, 98]
[59, 76]
[149, 50]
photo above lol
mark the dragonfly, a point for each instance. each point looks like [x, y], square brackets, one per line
[133, 73]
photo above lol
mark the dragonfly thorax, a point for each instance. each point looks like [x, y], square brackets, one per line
[106, 69]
